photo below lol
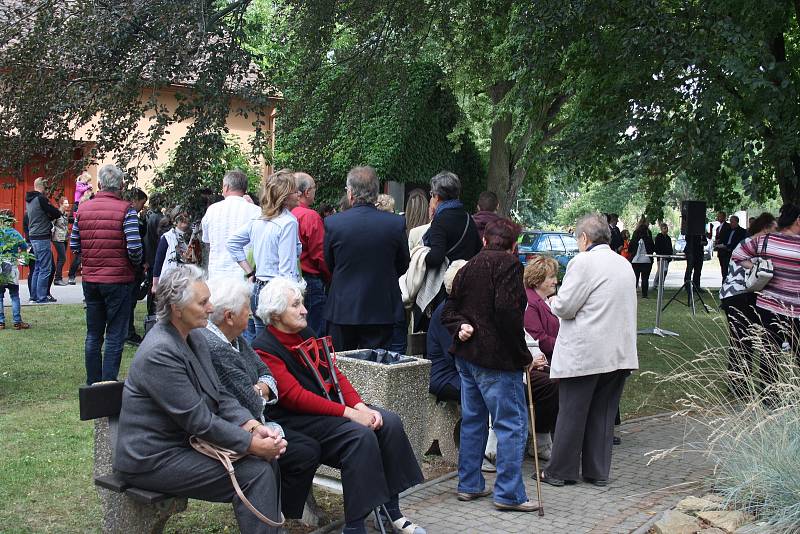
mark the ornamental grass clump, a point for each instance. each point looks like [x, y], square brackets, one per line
[752, 415]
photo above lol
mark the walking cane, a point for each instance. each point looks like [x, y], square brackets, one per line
[535, 447]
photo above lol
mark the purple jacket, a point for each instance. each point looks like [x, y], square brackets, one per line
[540, 323]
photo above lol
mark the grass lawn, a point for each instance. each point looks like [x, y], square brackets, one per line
[46, 464]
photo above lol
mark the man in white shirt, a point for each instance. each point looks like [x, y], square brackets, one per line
[222, 219]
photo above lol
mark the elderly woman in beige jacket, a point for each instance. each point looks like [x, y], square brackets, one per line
[595, 352]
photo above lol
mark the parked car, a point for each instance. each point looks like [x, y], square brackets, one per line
[680, 246]
[561, 245]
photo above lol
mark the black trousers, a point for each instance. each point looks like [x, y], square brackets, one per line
[694, 269]
[742, 316]
[298, 465]
[643, 270]
[781, 330]
[74, 266]
[724, 257]
[190, 474]
[61, 259]
[375, 465]
[352, 336]
[585, 426]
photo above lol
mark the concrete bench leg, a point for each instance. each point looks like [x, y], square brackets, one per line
[442, 427]
[313, 516]
[121, 514]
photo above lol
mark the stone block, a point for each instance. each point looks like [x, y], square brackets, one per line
[695, 504]
[673, 522]
[400, 387]
[728, 521]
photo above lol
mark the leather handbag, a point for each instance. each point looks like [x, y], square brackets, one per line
[758, 276]
[227, 457]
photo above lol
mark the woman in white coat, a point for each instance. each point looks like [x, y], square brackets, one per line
[595, 352]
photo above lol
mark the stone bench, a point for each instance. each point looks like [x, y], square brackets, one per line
[125, 508]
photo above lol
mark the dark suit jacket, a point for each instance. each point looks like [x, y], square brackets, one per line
[172, 392]
[366, 251]
[733, 238]
[616, 238]
[446, 231]
[722, 233]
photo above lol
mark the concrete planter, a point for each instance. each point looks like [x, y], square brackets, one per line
[401, 388]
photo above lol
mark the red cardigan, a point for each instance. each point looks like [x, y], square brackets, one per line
[292, 396]
[540, 323]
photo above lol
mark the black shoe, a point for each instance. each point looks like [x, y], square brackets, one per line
[71, 281]
[51, 298]
[59, 283]
[134, 339]
[599, 482]
[617, 440]
[547, 479]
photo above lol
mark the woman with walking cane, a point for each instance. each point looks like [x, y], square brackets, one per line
[485, 317]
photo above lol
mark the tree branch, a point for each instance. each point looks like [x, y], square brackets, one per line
[227, 10]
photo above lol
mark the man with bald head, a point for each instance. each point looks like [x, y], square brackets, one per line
[40, 215]
[312, 259]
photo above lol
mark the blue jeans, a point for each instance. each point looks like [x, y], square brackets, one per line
[258, 324]
[501, 394]
[40, 280]
[108, 308]
[13, 291]
[314, 301]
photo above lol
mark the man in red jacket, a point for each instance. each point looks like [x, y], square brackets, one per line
[106, 234]
[312, 259]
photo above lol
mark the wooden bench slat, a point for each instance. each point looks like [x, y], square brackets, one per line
[144, 496]
[112, 482]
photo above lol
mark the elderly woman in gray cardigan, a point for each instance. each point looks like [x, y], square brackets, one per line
[595, 352]
[249, 380]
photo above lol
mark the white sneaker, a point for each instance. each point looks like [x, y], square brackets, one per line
[544, 446]
[488, 466]
[491, 446]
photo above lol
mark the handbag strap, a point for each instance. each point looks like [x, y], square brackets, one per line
[227, 457]
[460, 239]
[764, 245]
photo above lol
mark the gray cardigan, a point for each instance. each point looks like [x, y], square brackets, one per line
[172, 392]
[239, 370]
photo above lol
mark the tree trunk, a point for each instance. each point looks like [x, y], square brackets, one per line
[500, 163]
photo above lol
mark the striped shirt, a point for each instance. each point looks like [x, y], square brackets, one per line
[130, 227]
[782, 293]
[735, 283]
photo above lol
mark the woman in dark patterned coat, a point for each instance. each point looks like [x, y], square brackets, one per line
[246, 377]
[485, 317]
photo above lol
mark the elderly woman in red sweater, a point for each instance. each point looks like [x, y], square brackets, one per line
[368, 444]
[540, 279]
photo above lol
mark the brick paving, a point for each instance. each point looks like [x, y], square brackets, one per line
[636, 493]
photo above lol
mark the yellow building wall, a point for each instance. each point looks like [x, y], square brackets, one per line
[238, 125]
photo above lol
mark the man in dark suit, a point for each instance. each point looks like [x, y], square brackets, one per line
[728, 237]
[366, 251]
[616, 242]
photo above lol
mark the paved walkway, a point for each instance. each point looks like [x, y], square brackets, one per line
[636, 493]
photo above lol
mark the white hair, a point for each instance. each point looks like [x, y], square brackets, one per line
[175, 287]
[228, 293]
[450, 274]
[274, 298]
[110, 177]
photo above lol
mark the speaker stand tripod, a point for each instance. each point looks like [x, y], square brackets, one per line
[691, 292]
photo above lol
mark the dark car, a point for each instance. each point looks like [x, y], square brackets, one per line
[560, 245]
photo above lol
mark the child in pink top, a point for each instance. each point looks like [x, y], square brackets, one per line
[81, 186]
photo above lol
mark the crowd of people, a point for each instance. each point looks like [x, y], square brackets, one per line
[237, 352]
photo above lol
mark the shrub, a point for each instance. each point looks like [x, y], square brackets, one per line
[753, 425]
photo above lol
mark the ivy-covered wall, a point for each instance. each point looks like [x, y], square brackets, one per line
[401, 129]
